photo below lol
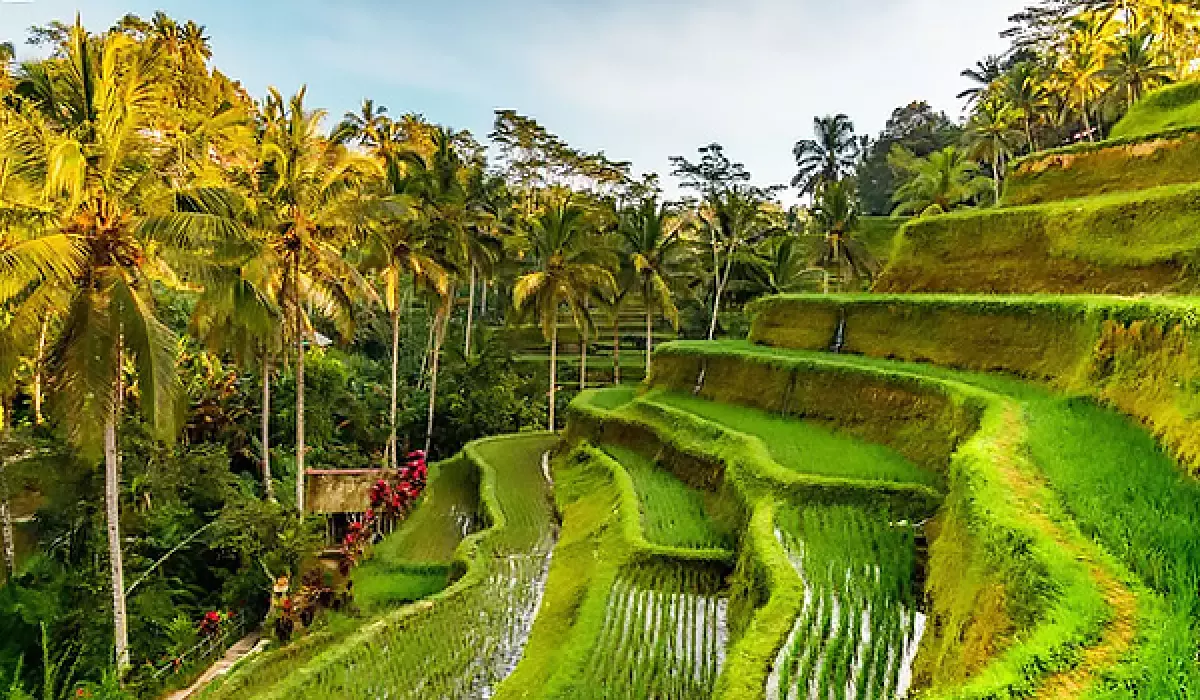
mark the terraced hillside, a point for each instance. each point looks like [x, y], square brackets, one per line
[940, 496]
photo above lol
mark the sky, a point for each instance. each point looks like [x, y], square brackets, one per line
[641, 80]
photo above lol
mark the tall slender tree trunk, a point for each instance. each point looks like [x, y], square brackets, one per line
[38, 362]
[299, 392]
[616, 347]
[6, 519]
[553, 368]
[470, 314]
[441, 321]
[268, 484]
[112, 515]
[393, 454]
[996, 174]
[722, 279]
[1087, 124]
[483, 298]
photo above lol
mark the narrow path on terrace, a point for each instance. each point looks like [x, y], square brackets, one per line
[240, 650]
[1032, 490]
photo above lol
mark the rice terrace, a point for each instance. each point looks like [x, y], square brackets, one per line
[305, 406]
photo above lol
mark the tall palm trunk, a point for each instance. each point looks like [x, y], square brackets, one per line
[996, 174]
[112, 515]
[6, 519]
[393, 459]
[553, 368]
[616, 348]
[38, 362]
[470, 314]
[650, 337]
[441, 322]
[722, 279]
[268, 485]
[299, 329]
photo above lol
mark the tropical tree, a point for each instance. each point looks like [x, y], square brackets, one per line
[651, 234]
[835, 217]
[1082, 76]
[1134, 65]
[310, 201]
[938, 183]
[239, 313]
[569, 268]
[731, 220]
[1026, 90]
[983, 75]
[112, 220]
[831, 155]
[992, 134]
[399, 249]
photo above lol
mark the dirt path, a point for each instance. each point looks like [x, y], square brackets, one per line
[243, 648]
[1119, 632]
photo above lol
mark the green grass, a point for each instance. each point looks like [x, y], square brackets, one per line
[1114, 483]
[805, 447]
[673, 513]
[1126, 242]
[1164, 110]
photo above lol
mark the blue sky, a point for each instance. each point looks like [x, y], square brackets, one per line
[638, 79]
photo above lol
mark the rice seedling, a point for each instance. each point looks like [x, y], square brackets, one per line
[801, 446]
[856, 634]
[673, 513]
[663, 636]
[463, 642]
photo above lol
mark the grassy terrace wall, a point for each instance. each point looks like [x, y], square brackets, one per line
[1085, 170]
[1123, 243]
[1008, 604]
[1141, 356]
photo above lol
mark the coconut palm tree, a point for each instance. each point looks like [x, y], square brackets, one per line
[569, 269]
[992, 134]
[937, 183]
[651, 235]
[399, 249]
[984, 75]
[730, 220]
[1081, 74]
[1134, 65]
[310, 201]
[91, 154]
[835, 218]
[833, 154]
[1025, 88]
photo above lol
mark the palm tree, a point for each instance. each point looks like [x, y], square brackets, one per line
[991, 135]
[835, 218]
[936, 183]
[310, 195]
[830, 156]
[731, 220]
[399, 249]
[568, 270]
[91, 152]
[486, 199]
[1081, 75]
[1025, 88]
[984, 75]
[652, 240]
[1134, 65]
